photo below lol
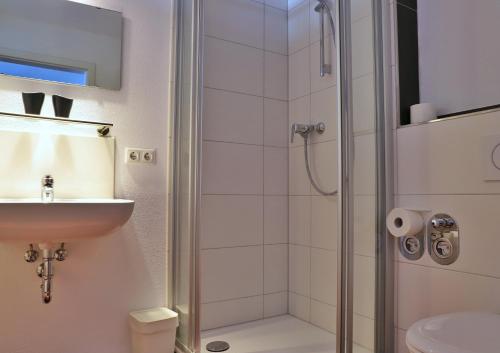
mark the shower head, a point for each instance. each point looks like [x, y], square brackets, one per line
[320, 6]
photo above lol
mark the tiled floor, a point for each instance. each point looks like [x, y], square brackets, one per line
[283, 334]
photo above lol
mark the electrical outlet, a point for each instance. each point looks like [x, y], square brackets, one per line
[133, 155]
[140, 155]
[148, 156]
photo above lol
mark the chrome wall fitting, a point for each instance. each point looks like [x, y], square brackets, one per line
[412, 247]
[31, 255]
[61, 253]
[443, 239]
[45, 270]
[103, 131]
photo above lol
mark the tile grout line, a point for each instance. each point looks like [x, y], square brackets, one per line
[263, 163]
[309, 184]
[244, 93]
[435, 267]
[238, 298]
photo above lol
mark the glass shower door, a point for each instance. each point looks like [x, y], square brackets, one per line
[364, 321]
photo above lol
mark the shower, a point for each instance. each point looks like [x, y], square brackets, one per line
[264, 258]
[305, 130]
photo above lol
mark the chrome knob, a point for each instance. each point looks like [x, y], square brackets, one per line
[31, 255]
[61, 253]
[320, 127]
[443, 248]
[40, 270]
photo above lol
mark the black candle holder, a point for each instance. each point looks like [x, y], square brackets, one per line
[62, 106]
[33, 102]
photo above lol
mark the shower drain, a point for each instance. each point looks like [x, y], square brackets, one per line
[217, 346]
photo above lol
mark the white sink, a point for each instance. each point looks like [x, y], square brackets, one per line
[32, 221]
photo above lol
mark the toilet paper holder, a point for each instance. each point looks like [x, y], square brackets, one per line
[409, 227]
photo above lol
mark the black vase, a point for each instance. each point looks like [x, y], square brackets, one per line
[62, 106]
[33, 102]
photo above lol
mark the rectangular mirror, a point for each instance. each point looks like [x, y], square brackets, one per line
[449, 55]
[61, 41]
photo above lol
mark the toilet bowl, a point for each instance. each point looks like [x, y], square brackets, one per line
[468, 332]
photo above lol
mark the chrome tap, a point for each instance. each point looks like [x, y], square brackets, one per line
[47, 188]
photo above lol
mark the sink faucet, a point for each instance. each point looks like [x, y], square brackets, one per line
[47, 188]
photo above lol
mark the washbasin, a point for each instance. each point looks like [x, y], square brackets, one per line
[63, 220]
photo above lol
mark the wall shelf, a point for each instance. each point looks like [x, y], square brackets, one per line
[55, 119]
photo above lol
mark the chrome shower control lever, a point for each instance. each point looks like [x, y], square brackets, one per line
[301, 129]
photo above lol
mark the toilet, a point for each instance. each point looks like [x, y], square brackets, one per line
[467, 332]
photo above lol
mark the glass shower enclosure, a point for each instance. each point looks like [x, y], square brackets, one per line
[358, 313]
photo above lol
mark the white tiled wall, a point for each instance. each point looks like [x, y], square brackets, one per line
[244, 211]
[312, 217]
[439, 167]
[473, 281]
[268, 238]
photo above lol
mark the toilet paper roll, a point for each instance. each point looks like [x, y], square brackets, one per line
[402, 222]
[422, 112]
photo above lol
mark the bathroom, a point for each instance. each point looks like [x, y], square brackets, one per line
[272, 176]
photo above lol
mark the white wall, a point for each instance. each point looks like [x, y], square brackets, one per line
[102, 280]
[447, 175]
[459, 53]
[244, 256]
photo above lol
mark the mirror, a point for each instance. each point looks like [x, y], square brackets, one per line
[61, 41]
[449, 55]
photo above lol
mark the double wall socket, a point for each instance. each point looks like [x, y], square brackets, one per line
[140, 155]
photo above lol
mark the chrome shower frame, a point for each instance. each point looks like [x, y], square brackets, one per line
[384, 291]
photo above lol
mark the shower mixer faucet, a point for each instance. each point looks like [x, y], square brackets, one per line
[305, 129]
